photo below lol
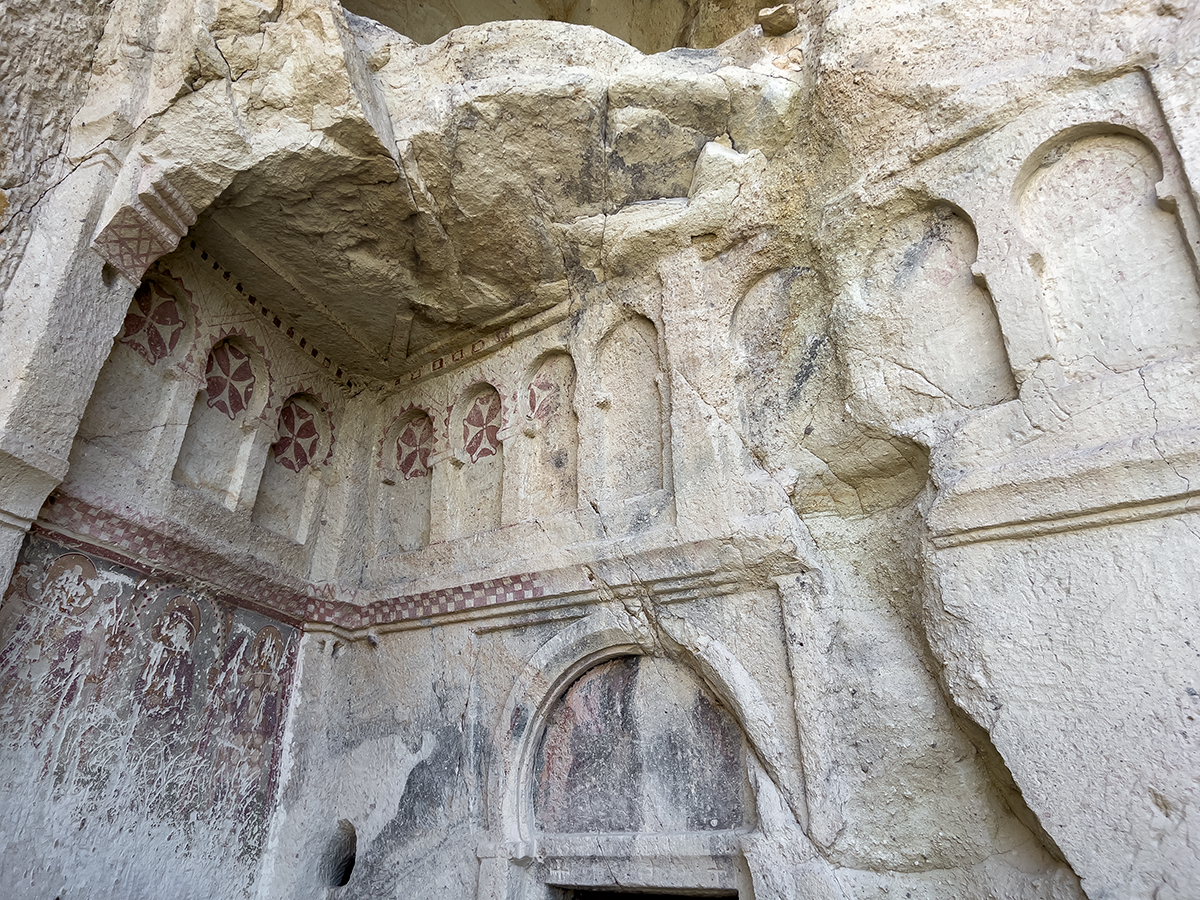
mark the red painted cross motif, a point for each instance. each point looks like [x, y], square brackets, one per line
[414, 447]
[230, 380]
[153, 324]
[296, 445]
[544, 397]
[481, 427]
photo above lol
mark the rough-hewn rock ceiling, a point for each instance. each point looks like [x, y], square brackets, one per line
[649, 25]
[485, 198]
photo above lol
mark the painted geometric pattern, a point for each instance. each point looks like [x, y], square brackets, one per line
[230, 380]
[296, 446]
[414, 447]
[97, 527]
[133, 240]
[153, 324]
[481, 427]
[430, 603]
[545, 396]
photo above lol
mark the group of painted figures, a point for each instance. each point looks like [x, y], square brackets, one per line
[112, 677]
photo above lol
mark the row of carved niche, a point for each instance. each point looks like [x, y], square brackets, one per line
[231, 412]
[1118, 284]
[447, 470]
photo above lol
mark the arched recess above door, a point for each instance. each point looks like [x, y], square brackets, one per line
[607, 635]
[563, 738]
[638, 744]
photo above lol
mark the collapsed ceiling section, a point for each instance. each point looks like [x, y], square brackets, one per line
[650, 25]
[484, 200]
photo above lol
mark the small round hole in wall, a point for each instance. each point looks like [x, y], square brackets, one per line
[340, 855]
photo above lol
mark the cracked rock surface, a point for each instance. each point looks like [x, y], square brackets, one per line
[494, 461]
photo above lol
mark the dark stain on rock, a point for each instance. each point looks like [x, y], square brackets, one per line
[698, 763]
[520, 718]
[637, 744]
[937, 231]
[427, 795]
[588, 757]
[807, 367]
[430, 784]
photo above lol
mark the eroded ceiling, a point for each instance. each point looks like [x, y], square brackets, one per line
[485, 199]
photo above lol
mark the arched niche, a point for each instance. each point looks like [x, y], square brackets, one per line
[923, 337]
[638, 744]
[1118, 283]
[596, 704]
[548, 476]
[220, 433]
[404, 512]
[289, 489]
[133, 391]
[632, 410]
[475, 479]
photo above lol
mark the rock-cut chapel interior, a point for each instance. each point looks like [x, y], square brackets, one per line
[577, 450]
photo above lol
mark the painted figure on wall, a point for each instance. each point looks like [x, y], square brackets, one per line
[256, 710]
[61, 651]
[164, 687]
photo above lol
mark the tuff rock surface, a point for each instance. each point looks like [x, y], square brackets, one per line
[603, 446]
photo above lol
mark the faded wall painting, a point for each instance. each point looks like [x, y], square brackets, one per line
[638, 744]
[133, 708]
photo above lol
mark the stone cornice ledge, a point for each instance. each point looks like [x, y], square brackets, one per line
[679, 573]
[27, 475]
[1128, 480]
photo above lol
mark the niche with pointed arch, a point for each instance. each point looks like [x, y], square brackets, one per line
[638, 744]
[219, 439]
[290, 483]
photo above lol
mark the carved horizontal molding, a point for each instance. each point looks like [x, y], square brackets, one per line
[674, 574]
[1092, 518]
[451, 354]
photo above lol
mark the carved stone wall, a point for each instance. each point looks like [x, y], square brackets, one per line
[518, 466]
[136, 705]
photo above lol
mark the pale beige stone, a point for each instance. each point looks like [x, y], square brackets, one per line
[378, 406]
[777, 20]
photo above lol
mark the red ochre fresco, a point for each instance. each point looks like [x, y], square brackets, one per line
[137, 694]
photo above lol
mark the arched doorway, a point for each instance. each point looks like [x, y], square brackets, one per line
[635, 780]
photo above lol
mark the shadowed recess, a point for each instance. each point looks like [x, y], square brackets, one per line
[650, 25]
